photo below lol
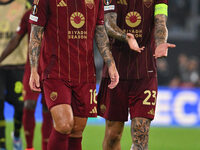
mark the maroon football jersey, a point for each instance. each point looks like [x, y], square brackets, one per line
[136, 17]
[69, 27]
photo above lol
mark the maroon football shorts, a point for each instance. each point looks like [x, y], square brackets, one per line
[28, 94]
[81, 96]
[137, 97]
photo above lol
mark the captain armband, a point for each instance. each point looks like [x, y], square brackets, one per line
[161, 9]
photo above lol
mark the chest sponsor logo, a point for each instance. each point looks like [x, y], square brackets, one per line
[53, 96]
[122, 2]
[62, 3]
[133, 19]
[89, 3]
[148, 3]
[107, 2]
[77, 20]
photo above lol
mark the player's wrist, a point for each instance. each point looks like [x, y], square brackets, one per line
[33, 69]
[125, 37]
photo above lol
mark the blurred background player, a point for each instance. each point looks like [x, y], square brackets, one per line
[68, 70]
[30, 97]
[11, 69]
[126, 21]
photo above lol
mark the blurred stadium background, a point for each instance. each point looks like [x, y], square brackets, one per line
[177, 122]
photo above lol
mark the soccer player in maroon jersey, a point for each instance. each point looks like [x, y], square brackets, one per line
[30, 97]
[144, 23]
[67, 62]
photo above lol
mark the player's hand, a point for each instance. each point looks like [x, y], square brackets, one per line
[133, 43]
[162, 50]
[34, 81]
[114, 76]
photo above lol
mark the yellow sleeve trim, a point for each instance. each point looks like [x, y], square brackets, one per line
[161, 9]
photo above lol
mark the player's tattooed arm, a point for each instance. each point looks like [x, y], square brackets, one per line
[102, 42]
[161, 32]
[35, 44]
[111, 27]
[161, 35]
[34, 52]
[115, 32]
[140, 133]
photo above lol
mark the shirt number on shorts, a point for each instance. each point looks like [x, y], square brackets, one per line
[93, 95]
[149, 95]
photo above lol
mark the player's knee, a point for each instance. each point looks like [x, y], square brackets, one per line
[64, 127]
[113, 138]
[77, 130]
[29, 104]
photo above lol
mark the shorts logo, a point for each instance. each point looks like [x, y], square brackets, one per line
[133, 19]
[89, 3]
[103, 108]
[107, 2]
[148, 3]
[94, 110]
[151, 112]
[61, 4]
[53, 96]
[77, 20]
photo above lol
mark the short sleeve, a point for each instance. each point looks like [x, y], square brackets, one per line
[23, 26]
[110, 6]
[162, 1]
[100, 15]
[39, 12]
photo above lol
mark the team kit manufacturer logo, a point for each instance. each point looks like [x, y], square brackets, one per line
[148, 3]
[122, 2]
[62, 3]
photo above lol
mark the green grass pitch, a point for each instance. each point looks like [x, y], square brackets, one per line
[160, 138]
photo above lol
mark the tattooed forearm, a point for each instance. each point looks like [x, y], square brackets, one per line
[35, 44]
[102, 42]
[161, 32]
[140, 133]
[112, 29]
